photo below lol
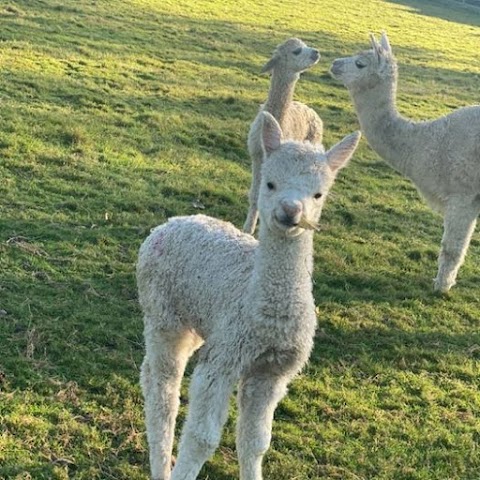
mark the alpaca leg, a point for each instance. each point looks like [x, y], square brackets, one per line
[210, 390]
[258, 396]
[459, 224]
[166, 356]
[252, 216]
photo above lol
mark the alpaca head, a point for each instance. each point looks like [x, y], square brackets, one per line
[292, 57]
[296, 178]
[368, 68]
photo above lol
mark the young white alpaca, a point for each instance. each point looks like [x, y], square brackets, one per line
[202, 280]
[441, 157]
[298, 122]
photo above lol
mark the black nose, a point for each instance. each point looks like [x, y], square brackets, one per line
[315, 55]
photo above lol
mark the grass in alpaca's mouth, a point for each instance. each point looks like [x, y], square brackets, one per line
[308, 225]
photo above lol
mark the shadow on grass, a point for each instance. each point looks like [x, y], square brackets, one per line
[449, 10]
[393, 348]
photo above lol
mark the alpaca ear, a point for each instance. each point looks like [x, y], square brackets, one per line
[269, 65]
[339, 155]
[374, 42]
[385, 44]
[271, 134]
[377, 48]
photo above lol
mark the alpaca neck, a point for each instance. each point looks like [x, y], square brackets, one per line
[280, 95]
[387, 132]
[283, 270]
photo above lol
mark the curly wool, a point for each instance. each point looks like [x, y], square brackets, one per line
[202, 280]
[441, 157]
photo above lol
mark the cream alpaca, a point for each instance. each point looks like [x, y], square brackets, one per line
[250, 302]
[441, 157]
[298, 122]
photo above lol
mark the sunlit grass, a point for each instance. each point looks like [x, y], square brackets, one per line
[118, 115]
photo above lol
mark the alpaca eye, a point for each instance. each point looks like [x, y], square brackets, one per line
[359, 64]
[270, 186]
[317, 196]
[297, 51]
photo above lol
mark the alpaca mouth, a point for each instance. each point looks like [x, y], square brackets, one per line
[315, 56]
[285, 223]
[288, 224]
[336, 70]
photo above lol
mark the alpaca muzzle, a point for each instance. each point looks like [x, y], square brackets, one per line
[336, 69]
[315, 55]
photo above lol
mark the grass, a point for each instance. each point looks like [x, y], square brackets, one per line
[117, 115]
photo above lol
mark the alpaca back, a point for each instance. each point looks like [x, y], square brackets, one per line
[301, 123]
[458, 150]
[199, 265]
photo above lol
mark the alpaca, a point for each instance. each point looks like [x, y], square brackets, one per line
[298, 122]
[250, 302]
[441, 157]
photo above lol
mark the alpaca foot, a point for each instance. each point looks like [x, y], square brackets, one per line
[442, 286]
[173, 460]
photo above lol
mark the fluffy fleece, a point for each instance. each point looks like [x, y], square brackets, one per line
[441, 157]
[250, 302]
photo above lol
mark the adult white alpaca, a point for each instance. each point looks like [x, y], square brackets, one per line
[298, 122]
[202, 280]
[441, 157]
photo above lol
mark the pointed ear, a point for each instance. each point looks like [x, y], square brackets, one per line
[385, 44]
[269, 65]
[377, 48]
[339, 155]
[271, 134]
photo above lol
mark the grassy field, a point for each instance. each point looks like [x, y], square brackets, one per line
[119, 114]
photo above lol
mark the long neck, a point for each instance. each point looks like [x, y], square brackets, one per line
[280, 95]
[387, 132]
[283, 269]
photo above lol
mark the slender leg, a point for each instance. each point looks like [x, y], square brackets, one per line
[210, 390]
[258, 396]
[161, 375]
[459, 223]
[252, 216]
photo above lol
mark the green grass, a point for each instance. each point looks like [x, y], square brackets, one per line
[117, 115]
